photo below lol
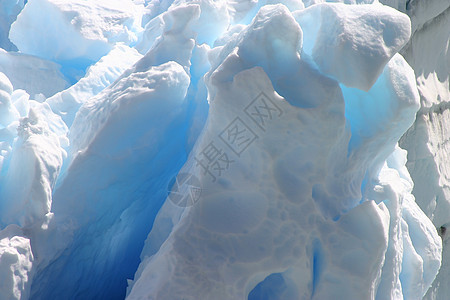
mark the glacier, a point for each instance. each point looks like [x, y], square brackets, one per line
[213, 149]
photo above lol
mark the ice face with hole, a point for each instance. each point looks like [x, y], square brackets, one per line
[305, 167]
[282, 121]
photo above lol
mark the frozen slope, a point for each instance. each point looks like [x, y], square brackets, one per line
[284, 120]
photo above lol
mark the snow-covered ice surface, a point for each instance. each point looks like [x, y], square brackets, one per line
[428, 52]
[223, 150]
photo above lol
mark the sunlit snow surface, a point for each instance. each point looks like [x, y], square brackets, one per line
[281, 121]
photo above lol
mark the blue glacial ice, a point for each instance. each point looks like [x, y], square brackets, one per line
[8, 11]
[285, 114]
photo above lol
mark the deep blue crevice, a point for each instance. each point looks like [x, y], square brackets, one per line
[271, 288]
[318, 264]
[105, 252]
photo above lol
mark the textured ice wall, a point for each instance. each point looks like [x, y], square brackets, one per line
[288, 199]
[318, 204]
[30, 159]
[428, 52]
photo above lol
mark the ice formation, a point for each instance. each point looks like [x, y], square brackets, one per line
[8, 11]
[223, 150]
[32, 74]
[428, 52]
[89, 30]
